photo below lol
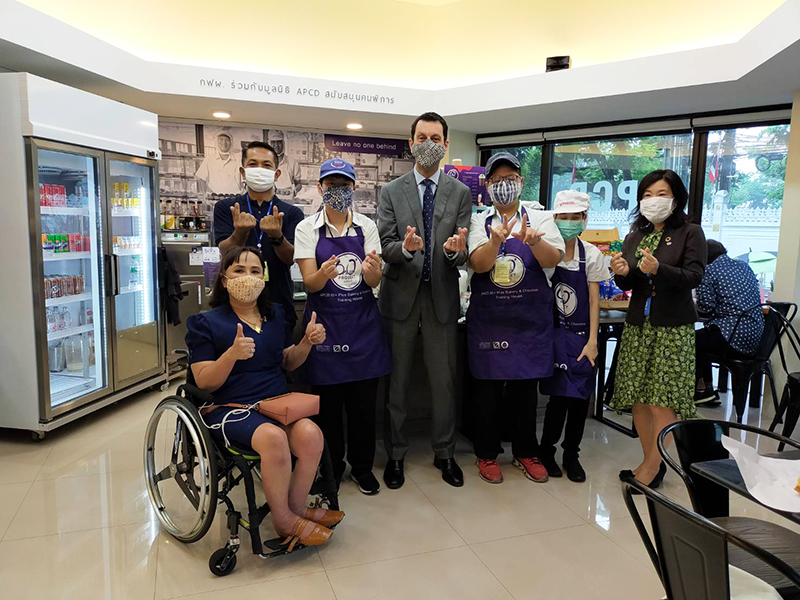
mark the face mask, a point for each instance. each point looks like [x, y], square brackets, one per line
[338, 197]
[656, 209]
[246, 288]
[258, 179]
[427, 154]
[570, 229]
[505, 192]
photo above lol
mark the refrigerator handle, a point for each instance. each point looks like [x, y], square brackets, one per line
[112, 272]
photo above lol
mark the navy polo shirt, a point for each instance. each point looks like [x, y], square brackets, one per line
[280, 279]
[211, 333]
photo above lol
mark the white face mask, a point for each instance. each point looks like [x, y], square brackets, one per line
[656, 209]
[258, 179]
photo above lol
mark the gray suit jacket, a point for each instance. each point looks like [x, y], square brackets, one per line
[398, 208]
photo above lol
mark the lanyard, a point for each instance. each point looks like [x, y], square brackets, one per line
[269, 212]
[523, 215]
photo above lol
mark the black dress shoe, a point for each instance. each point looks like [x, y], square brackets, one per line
[574, 470]
[549, 463]
[451, 472]
[393, 474]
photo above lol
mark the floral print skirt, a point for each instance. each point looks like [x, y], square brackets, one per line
[656, 366]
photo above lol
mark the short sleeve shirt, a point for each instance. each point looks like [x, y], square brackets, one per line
[211, 333]
[596, 269]
[538, 219]
[308, 231]
[280, 280]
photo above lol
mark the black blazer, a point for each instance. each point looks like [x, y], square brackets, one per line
[681, 258]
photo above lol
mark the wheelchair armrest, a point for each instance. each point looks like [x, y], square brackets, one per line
[195, 394]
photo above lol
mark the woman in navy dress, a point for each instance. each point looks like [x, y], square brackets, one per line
[238, 351]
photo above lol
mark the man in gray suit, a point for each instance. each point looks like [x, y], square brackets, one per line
[423, 218]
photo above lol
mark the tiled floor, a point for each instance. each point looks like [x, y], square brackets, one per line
[76, 523]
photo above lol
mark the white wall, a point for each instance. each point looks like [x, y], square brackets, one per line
[463, 146]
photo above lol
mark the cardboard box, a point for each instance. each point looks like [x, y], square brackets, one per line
[606, 240]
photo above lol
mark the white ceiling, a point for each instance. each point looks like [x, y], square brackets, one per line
[761, 69]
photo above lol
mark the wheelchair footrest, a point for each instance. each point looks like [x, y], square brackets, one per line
[274, 548]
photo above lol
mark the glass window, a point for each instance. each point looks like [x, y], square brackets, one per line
[530, 160]
[743, 194]
[610, 171]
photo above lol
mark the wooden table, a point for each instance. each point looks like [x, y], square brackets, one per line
[725, 473]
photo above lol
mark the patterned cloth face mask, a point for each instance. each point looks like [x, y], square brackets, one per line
[246, 288]
[427, 154]
[504, 192]
[338, 197]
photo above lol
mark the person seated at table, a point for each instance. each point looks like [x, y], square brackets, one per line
[238, 352]
[662, 260]
[728, 289]
[513, 248]
[576, 285]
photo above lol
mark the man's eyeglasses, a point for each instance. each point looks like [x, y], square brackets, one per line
[512, 178]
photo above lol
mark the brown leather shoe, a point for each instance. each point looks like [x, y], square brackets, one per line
[330, 519]
[319, 535]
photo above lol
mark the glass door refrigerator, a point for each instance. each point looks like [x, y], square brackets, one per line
[138, 347]
[81, 320]
[72, 308]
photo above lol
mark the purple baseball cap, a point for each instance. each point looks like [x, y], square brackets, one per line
[337, 166]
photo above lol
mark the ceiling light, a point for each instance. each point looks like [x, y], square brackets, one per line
[221, 114]
[148, 124]
[355, 126]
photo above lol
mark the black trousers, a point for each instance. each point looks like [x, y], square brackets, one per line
[357, 398]
[709, 342]
[561, 410]
[516, 399]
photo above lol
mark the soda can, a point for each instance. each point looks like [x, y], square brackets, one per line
[69, 285]
[81, 284]
[47, 288]
[64, 243]
[42, 197]
[78, 242]
[87, 243]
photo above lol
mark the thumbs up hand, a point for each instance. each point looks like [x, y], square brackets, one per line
[243, 347]
[649, 263]
[315, 332]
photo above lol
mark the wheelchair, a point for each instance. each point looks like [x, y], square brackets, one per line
[188, 474]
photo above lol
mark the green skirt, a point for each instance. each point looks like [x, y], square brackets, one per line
[657, 367]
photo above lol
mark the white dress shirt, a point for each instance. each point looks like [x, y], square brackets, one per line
[420, 178]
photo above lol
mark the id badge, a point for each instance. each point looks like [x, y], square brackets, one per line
[502, 272]
[266, 272]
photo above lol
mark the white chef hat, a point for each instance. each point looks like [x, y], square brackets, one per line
[571, 201]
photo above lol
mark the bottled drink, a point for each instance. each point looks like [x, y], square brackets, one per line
[74, 351]
[134, 279]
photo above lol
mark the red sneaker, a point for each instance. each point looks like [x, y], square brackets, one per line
[489, 471]
[533, 469]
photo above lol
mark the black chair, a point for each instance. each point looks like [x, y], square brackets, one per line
[789, 406]
[700, 440]
[691, 553]
[742, 368]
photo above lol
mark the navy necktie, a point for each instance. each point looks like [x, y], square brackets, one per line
[427, 221]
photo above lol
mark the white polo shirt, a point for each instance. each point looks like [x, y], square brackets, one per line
[538, 219]
[221, 175]
[306, 235]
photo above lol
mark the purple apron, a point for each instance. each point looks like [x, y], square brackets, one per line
[355, 346]
[509, 323]
[571, 378]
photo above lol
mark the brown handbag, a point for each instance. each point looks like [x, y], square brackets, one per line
[288, 408]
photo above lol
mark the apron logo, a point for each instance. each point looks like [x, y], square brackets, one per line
[337, 348]
[561, 366]
[349, 268]
[504, 345]
[516, 271]
[345, 348]
[566, 299]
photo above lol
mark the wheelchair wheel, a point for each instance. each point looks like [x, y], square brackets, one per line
[180, 466]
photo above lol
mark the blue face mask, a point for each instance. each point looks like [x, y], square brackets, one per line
[570, 229]
[338, 197]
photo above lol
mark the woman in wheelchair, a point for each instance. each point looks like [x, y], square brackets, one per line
[238, 351]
